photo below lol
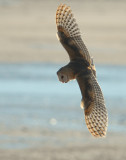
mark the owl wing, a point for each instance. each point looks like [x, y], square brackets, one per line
[69, 34]
[94, 106]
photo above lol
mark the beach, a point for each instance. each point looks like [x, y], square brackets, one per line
[41, 118]
[93, 149]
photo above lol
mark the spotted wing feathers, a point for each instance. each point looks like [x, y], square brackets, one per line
[93, 101]
[97, 118]
[66, 23]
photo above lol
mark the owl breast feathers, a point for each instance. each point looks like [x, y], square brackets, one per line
[82, 69]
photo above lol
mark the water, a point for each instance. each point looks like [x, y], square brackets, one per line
[32, 99]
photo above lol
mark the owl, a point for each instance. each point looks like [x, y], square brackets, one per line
[81, 68]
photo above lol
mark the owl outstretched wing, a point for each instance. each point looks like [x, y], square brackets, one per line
[69, 34]
[93, 101]
[94, 106]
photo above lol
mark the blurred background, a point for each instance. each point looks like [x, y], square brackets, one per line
[40, 118]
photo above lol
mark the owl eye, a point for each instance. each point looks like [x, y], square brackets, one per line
[62, 77]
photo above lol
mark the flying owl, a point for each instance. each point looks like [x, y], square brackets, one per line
[82, 69]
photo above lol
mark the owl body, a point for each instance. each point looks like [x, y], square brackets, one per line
[81, 68]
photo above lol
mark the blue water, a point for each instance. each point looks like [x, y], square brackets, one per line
[32, 98]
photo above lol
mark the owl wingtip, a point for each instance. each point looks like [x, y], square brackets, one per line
[66, 21]
[99, 136]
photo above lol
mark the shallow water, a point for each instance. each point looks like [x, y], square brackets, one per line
[32, 98]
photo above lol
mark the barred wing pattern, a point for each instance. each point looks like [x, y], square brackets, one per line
[96, 116]
[66, 23]
[93, 101]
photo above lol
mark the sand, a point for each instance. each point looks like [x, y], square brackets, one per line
[75, 145]
[28, 30]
